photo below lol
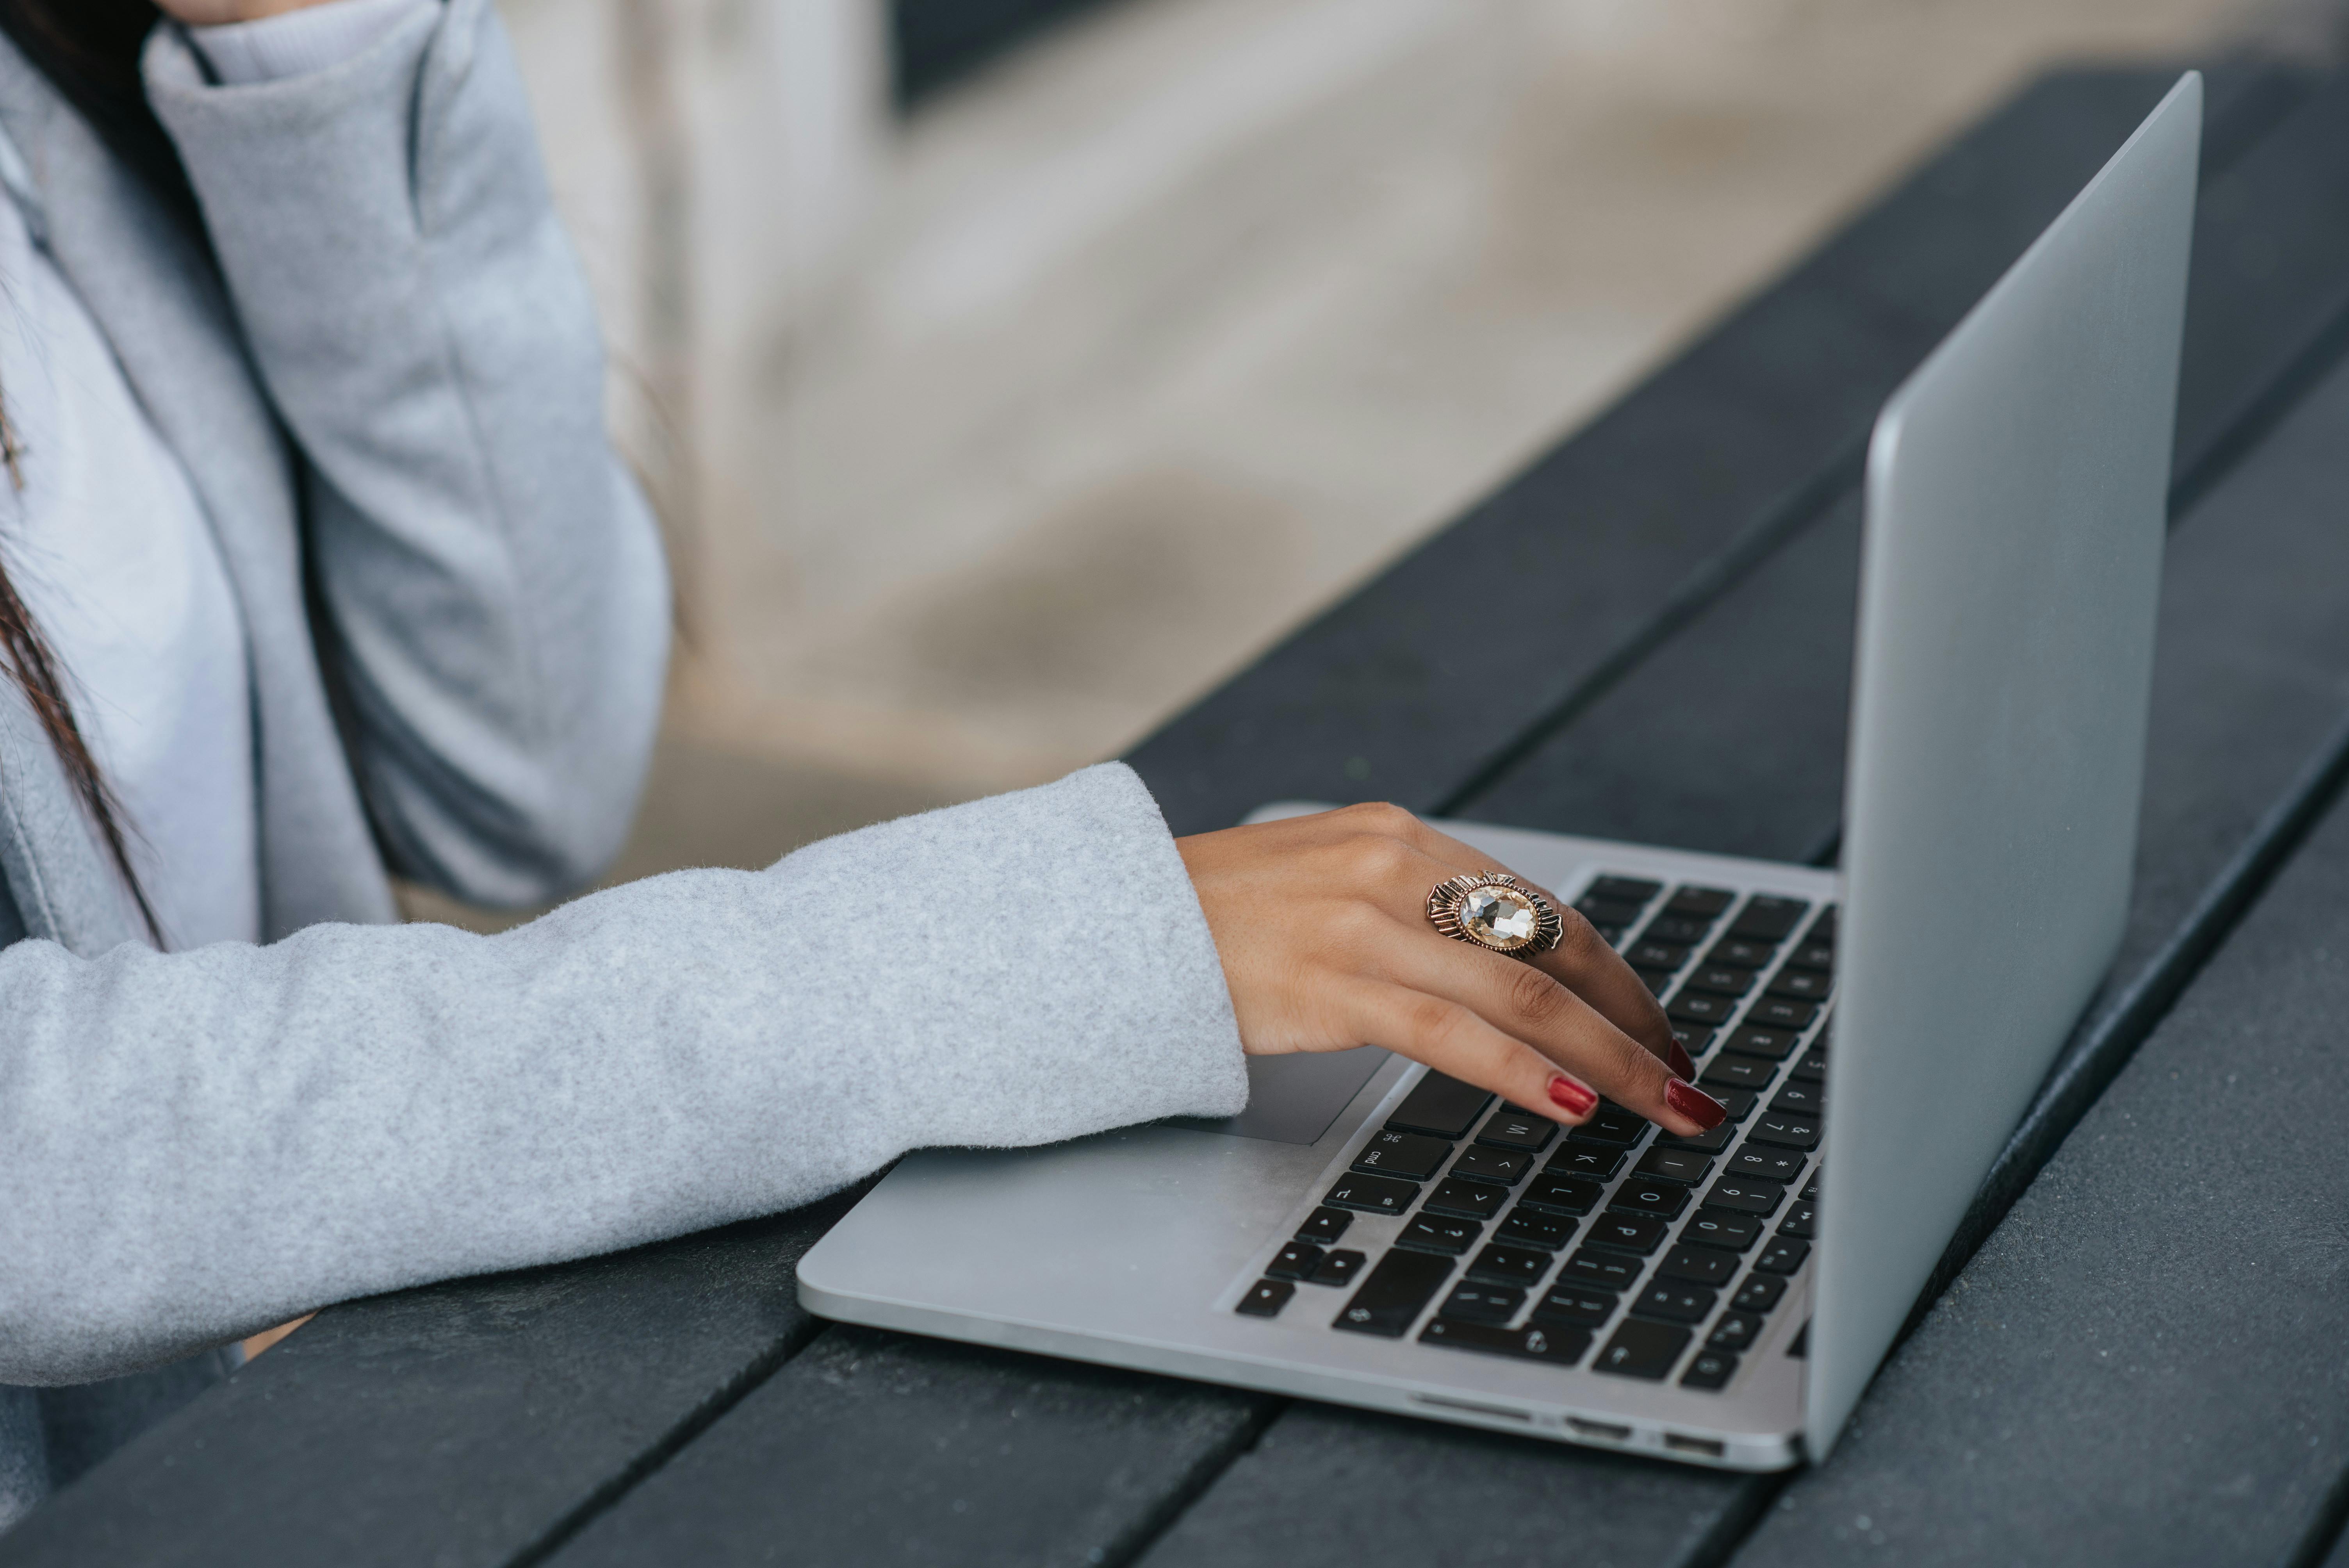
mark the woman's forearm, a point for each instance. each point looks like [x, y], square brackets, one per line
[204, 1144]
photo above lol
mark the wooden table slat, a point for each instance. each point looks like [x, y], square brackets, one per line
[1327, 1485]
[464, 1424]
[986, 1458]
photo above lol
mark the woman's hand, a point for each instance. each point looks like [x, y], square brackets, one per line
[1321, 924]
[212, 13]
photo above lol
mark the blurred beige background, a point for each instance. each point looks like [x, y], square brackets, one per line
[988, 435]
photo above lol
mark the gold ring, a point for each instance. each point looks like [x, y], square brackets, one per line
[1495, 910]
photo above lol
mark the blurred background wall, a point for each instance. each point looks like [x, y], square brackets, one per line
[1007, 372]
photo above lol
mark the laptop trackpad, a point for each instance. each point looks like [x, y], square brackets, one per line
[1294, 1099]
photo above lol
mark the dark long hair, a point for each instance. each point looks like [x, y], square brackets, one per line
[90, 50]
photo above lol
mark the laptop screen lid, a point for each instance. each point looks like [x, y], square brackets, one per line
[2017, 502]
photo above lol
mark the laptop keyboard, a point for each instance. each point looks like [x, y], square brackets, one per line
[1618, 1247]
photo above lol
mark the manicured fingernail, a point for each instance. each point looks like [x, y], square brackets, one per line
[1575, 1100]
[1695, 1104]
[1678, 1058]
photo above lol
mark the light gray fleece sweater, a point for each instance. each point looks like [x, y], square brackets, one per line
[384, 383]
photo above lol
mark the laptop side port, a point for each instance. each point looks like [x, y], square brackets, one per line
[1710, 1448]
[1608, 1431]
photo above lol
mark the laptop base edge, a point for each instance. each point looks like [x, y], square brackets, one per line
[1597, 1428]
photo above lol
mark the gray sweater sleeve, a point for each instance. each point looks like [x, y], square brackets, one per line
[493, 583]
[197, 1145]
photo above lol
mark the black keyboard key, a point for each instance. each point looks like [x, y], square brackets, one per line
[1531, 1228]
[1701, 1007]
[1801, 984]
[1747, 1197]
[1698, 1266]
[1393, 1294]
[1780, 1013]
[1408, 1155]
[1825, 930]
[1736, 954]
[1265, 1298]
[1713, 1140]
[1557, 1347]
[1774, 1045]
[1706, 903]
[1723, 1228]
[1721, 981]
[1657, 981]
[1515, 1129]
[1468, 1199]
[1738, 1103]
[1440, 1106]
[1439, 1233]
[1768, 919]
[1567, 1194]
[1680, 930]
[1631, 1232]
[1324, 1226]
[1783, 1256]
[1596, 1161]
[1785, 1131]
[1729, 1070]
[1373, 1194]
[1665, 955]
[1813, 1068]
[1612, 1124]
[1643, 1349]
[1483, 1304]
[1340, 1268]
[1297, 1260]
[1811, 1188]
[1624, 890]
[1505, 1166]
[1763, 1160]
[1694, 1038]
[1814, 955]
[1573, 1305]
[1675, 1301]
[1802, 1220]
[1607, 911]
[1673, 1165]
[1800, 1098]
[1710, 1369]
[1734, 1331]
[1509, 1265]
[1605, 1271]
[1759, 1293]
[1661, 1199]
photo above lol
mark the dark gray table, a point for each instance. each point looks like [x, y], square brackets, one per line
[2137, 1354]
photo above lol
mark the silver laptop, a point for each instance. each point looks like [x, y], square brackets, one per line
[1375, 1234]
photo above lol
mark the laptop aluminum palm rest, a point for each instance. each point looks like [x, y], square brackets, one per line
[1610, 1287]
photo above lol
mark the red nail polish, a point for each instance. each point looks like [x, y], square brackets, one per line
[1695, 1104]
[1679, 1060]
[1575, 1100]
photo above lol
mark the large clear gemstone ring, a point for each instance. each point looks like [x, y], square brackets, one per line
[1495, 910]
